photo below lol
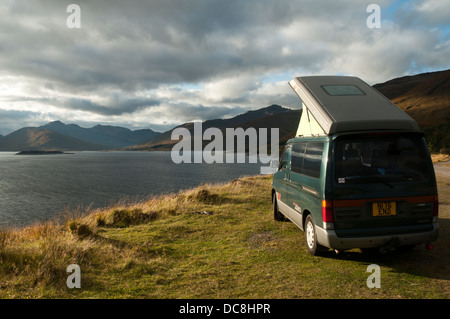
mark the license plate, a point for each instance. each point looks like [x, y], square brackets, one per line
[384, 209]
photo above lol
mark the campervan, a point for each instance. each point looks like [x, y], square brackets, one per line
[358, 173]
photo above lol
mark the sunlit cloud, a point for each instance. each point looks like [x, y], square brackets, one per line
[157, 64]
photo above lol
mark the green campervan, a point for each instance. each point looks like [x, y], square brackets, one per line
[358, 173]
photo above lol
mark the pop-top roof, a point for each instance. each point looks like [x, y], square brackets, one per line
[344, 103]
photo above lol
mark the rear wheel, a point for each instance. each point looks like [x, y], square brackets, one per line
[311, 237]
[277, 215]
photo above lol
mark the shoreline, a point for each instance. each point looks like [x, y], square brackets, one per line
[41, 153]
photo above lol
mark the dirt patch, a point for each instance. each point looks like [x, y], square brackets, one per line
[263, 240]
[204, 213]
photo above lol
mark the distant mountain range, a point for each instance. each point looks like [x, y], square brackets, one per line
[271, 116]
[59, 136]
[425, 97]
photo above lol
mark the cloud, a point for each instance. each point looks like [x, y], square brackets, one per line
[10, 118]
[433, 12]
[201, 58]
[116, 107]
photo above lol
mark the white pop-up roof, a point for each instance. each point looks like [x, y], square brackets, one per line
[333, 104]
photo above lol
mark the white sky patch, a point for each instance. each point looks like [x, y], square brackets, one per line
[436, 11]
[229, 89]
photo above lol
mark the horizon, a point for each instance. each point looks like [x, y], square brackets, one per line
[158, 64]
[111, 125]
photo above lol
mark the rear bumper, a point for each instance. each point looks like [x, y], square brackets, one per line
[328, 238]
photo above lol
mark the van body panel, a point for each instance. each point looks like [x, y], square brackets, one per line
[291, 214]
[330, 239]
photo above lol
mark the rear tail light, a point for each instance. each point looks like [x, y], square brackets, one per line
[436, 206]
[327, 211]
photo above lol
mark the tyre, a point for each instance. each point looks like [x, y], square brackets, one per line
[311, 237]
[277, 215]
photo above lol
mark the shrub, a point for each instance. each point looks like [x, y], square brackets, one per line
[84, 231]
[121, 218]
[125, 218]
[205, 196]
[72, 226]
[80, 230]
[100, 221]
[4, 238]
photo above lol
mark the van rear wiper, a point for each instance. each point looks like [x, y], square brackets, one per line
[384, 181]
[369, 177]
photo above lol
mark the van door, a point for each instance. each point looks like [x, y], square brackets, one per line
[306, 163]
[281, 177]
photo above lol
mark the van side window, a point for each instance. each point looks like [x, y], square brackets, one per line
[307, 158]
[313, 159]
[297, 155]
[284, 158]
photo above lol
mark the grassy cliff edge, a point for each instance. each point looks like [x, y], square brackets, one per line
[213, 241]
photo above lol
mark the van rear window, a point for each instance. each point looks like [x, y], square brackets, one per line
[383, 158]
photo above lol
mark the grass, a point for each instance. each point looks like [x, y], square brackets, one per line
[440, 158]
[214, 241]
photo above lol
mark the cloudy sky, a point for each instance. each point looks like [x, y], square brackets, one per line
[158, 63]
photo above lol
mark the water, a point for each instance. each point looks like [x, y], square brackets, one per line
[38, 188]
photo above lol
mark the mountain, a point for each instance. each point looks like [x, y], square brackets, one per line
[268, 117]
[39, 138]
[59, 136]
[426, 98]
[108, 136]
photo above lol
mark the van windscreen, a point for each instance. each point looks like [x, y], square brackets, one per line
[384, 158]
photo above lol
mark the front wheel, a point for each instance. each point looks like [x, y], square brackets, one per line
[311, 237]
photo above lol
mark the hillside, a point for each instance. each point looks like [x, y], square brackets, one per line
[108, 136]
[214, 241]
[268, 117]
[32, 138]
[426, 98]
